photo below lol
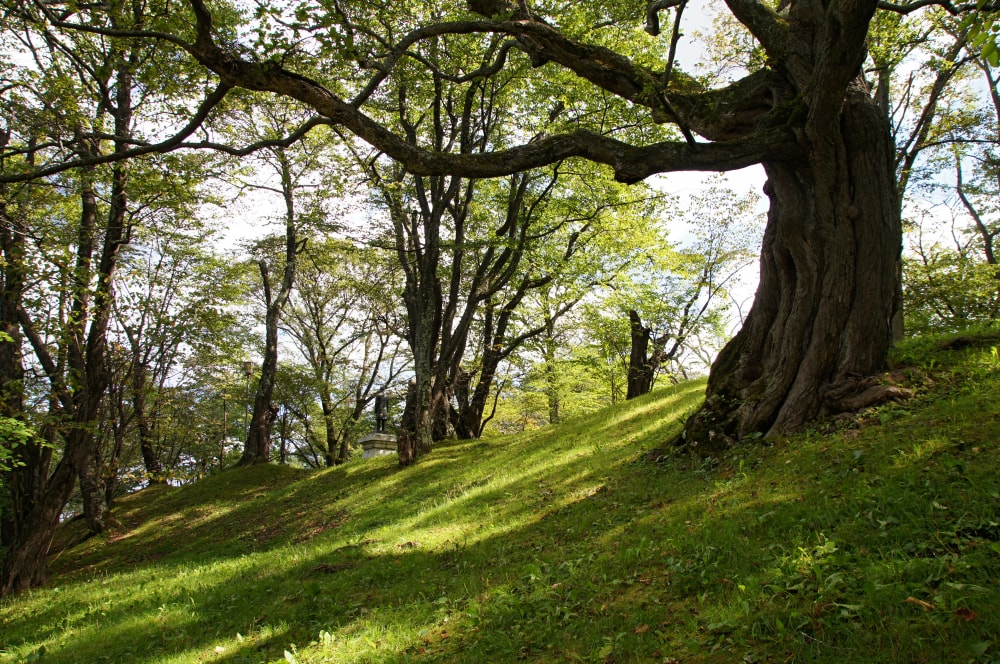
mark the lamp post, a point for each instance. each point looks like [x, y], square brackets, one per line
[248, 371]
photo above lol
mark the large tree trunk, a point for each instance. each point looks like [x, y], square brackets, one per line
[415, 435]
[820, 325]
[409, 443]
[20, 483]
[550, 373]
[440, 410]
[258, 446]
[26, 563]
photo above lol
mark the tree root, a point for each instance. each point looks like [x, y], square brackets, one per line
[852, 394]
[964, 341]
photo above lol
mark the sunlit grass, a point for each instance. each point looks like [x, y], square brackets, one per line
[875, 543]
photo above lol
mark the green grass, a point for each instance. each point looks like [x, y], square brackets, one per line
[871, 540]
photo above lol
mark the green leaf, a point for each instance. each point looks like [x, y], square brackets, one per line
[991, 54]
[979, 649]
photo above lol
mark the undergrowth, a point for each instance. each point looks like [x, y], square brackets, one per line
[874, 538]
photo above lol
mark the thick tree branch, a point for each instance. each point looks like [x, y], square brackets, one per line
[630, 163]
[764, 24]
[841, 54]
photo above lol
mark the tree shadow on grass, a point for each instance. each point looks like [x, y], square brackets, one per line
[178, 588]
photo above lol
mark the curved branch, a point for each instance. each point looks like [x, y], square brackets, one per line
[954, 10]
[259, 145]
[764, 24]
[111, 32]
[653, 10]
[213, 100]
[630, 163]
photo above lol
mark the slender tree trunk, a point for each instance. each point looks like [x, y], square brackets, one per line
[326, 403]
[821, 323]
[258, 445]
[150, 460]
[93, 507]
[551, 375]
[283, 439]
[92, 491]
[111, 476]
[345, 450]
[462, 416]
[640, 369]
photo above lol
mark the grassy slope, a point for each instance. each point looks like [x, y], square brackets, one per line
[876, 543]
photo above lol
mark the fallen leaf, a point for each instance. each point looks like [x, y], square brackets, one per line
[966, 614]
[926, 606]
[642, 629]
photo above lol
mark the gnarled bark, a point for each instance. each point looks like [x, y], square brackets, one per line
[823, 311]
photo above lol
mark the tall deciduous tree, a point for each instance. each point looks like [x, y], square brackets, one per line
[173, 297]
[681, 293]
[103, 75]
[343, 319]
[296, 169]
[952, 278]
[78, 99]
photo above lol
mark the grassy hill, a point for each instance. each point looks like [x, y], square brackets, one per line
[873, 539]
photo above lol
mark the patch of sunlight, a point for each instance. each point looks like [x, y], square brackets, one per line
[226, 650]
[921, 451]
[573, 497]
[743, 503]
[445, 508]
[383, 634]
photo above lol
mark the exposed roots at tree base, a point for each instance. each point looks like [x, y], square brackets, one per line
[706, 432]
[852, 394]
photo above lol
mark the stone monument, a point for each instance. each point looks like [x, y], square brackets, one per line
[378, 442]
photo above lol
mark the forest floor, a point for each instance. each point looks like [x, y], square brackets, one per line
[869, 539]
